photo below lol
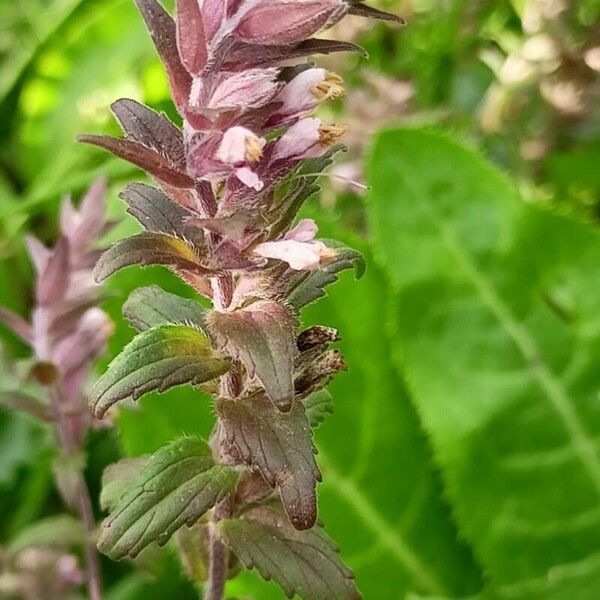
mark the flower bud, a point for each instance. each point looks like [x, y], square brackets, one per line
[275, 22]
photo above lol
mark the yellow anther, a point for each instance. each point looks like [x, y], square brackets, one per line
[253, 149]
[329, 134]
[331, 87]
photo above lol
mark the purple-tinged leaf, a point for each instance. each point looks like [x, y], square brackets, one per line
[157, 165]
[261, 336]
[149, 248]
[362, 10]
[156, 360]
[306, 563]
[66, 319]
[243, 55]
[251, 488]
[319, 371]
[276, 22]
[156, 211]
[304, 288]
[151, 129]
[163, 32]
[150, 306]
[88, 341]
[17, 324]
[38, 253]
[16, 400]
[191, 39]
[315, 336]
[279, 445]
[54, 279]
[179, 483]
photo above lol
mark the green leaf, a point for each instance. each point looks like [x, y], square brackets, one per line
[262, 337]
[60, 530]
[301, 562]
[496, 325]
[150, 306]
[280, 446]
[148, 248]
[118, 478]
[306, 287]
[318, 405]
[177, 486]
[157, 359]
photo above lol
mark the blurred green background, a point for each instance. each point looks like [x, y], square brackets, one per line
[462, 459]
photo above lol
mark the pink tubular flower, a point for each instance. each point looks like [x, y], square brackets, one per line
[298, 248]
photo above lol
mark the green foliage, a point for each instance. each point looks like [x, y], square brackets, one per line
[495, 327]
[157, 359]
[301, 562]
[151, 306]
[177, 486]
[262, 438]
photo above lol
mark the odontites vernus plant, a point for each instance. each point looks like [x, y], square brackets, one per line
[231, 183]
[66, 333]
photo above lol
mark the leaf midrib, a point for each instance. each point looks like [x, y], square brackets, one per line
[559, 399]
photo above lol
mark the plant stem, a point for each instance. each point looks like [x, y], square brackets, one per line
[217, 575]
[82, 504]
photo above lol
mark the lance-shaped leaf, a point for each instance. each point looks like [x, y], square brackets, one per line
[163, 33]
[280, 446]
[150, 306]
[244, 55]
[305, 288]
[318, 405]
[191, 39]
[148, 248]
[362, 10]
[262, 337]
[54, 278]
[151, 129]
[156, 211]
[145, 158]
[156, 360]
[177, 486]
[306, 563]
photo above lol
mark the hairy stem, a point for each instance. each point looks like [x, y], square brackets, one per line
[81, 502]
[217, 574]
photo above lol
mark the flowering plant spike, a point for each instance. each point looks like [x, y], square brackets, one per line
[67, 332]
[230, 184]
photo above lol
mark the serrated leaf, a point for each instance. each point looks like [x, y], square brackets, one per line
[280, 446]
[177, 486]
[262, 337]
[495, 323]
[306, 287]
[145, 158]
[150, 306]
[151, 129]
[148, 248]
[318, 405]
[156, 360]
[118, 478]
[156, 211]
[301, 562]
